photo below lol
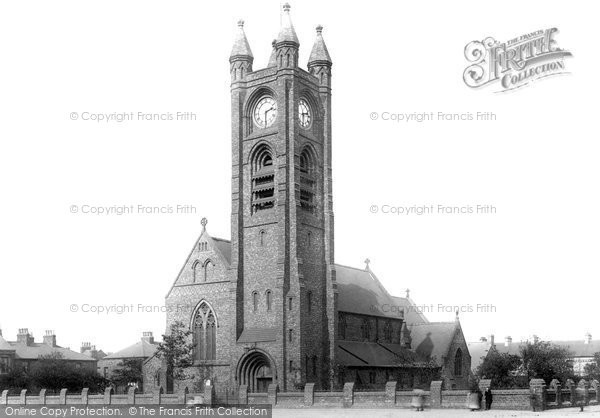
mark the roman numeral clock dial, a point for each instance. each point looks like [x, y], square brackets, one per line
[265, 112]
[304, 115]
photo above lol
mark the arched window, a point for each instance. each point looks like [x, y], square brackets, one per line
[307, 180]
[387, 331]
[269, 299]
[205, 333]
[262, 237]
[458, 360]
[364, 328]
[208, 269]
[263, 179]
[196, 270]
[341, 326]
[255, 301]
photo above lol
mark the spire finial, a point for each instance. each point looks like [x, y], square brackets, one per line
[319, 29]
[286, 7]
[457, 315]
[204, 221]
[407, 293]
[367, 262]
[241, 23]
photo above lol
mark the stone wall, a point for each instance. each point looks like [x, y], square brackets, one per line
[537, 397]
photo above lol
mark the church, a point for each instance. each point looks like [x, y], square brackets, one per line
[270, 305]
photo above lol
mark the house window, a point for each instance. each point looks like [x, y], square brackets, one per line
[263, 179]
[106, 372]
[458, 360]
[291, 335]
[342, 326]
[291, 366]
[290, 304]
[4, 365]
[203, 246]
[309, 301]
[255, 301]
[205, 330]
[365, 331]
[307, 180]
[269, 298]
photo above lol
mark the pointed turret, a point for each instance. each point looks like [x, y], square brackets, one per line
[287, 32]
[287, 42]
[241, 57]
[319, 62]
[273, 58]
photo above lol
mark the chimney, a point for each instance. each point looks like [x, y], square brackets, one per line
[588, 338]
[507, 341]
[491, 339]
[85, 346]
[407, 293]
[147, 336]
[24, 337]
[50, 338]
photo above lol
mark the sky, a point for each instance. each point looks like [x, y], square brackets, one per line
[527, 266]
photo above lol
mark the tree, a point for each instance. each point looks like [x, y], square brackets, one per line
[501, 368]
[592, 370]
[545, 360]
[177, 351]
[129, 372]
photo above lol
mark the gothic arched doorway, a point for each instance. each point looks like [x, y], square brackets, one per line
[256, 370]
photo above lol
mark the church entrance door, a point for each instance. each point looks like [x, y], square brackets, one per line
[255, 371]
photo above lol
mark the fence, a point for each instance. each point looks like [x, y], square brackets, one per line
[537, 397]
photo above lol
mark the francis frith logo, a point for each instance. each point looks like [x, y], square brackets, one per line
[514, 63]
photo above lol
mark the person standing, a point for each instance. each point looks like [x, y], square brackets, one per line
[488, 399]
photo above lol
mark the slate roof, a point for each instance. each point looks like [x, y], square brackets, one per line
[433, 339]
[412, 314]
[361, 292]
[255, 335]
[580, 348]
[224, 246]
[361, 354]
[141, 349]
[35, 350]
[478, 350]
[4, 345]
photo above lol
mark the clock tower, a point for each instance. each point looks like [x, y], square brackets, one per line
[282, 268]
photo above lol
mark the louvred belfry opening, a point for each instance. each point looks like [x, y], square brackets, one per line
[307, 181]
[263, 180]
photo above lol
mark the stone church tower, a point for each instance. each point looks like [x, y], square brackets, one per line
[262, 307]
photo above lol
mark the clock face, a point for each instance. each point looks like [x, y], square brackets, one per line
[304, 113]
[265, 112]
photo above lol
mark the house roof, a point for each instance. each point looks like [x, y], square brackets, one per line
[362, 353]
[4, 345]
[141, 349]
[478, 350]
[34, 350]
[581, 348]
[361, 292]
[433, 340]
